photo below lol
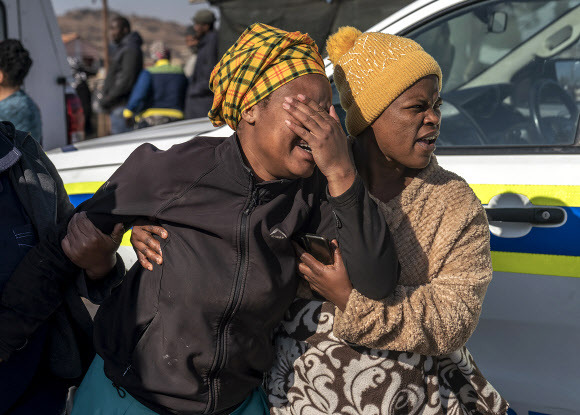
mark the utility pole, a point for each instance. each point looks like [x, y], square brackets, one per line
[106, 33]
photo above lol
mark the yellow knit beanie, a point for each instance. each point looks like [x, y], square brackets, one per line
[372, 69]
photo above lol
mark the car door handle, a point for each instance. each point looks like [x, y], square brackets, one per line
[535, 216]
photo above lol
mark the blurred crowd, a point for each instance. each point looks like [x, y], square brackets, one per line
[146, 86]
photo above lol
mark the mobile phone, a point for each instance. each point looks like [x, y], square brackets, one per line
[317, 246]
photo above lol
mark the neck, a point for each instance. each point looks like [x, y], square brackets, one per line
[248, 155]
[384, 177]
[6, 91]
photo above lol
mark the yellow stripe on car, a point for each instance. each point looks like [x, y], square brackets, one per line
[540, 264]
[541, 195]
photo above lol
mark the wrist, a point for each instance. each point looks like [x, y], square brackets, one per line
[343, 300]
[101, 270]
[340, 181]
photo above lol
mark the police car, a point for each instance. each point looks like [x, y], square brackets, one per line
[511, 92]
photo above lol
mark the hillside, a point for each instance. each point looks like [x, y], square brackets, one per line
[87, 23]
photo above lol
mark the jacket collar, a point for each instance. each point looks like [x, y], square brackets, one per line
[230, 154]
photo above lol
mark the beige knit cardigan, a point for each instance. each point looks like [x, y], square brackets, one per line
[441, 235]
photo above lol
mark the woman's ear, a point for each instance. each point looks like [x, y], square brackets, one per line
[250, 115]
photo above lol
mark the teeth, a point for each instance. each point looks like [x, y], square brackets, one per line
[305, 147]
[428, 140]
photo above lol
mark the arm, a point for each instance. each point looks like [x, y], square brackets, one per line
[348, 211]
[139, 95]
[434, 318]
[365, 241]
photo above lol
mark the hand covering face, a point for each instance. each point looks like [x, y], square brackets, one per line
[262, 60]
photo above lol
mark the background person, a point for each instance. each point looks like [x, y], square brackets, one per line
[125, 65]
[37, 370]
[158, 96]
[412, 342]
[199, 97]
[191, 41]
[15, 105]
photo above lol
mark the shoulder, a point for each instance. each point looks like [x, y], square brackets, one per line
[185, 160]
[450, 188]
[28, 146]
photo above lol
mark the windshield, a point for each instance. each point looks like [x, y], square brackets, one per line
[467, 43]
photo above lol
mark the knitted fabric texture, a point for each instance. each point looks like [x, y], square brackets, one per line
[372, 69]
[441, 235]
[262, 60]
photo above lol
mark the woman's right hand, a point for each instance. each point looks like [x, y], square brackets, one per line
[147, 248]
[322, 131]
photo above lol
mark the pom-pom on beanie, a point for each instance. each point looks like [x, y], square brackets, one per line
[372, 69]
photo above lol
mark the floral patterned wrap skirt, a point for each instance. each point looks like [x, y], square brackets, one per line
[316, 373]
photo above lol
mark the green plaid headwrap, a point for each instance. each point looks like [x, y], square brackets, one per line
[262, 60]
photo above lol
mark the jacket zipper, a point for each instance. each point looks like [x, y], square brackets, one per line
[228, 313]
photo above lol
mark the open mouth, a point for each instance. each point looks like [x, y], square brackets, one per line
[428, 140]
[305, 147]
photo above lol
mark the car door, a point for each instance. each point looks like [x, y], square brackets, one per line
[511, 93]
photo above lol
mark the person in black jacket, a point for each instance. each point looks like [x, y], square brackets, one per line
[36, 372]
[195, 335]
[125, 66]
[199, 96]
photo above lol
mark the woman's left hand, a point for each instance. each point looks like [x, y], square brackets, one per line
[330, 281]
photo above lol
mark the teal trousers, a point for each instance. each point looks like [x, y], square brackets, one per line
[98, 396]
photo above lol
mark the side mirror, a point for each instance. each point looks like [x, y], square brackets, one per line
[497, 22]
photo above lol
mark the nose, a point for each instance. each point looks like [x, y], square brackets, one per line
[433, 116]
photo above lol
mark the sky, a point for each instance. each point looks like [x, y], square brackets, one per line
[180, 11]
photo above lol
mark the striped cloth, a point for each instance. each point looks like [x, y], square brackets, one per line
[262, 60]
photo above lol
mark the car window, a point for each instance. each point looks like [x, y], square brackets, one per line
[511, 72]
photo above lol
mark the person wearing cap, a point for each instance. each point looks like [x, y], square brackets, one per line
[194, 335]
[191, 41]
[405, 352]
[199, 97]
[158, 95]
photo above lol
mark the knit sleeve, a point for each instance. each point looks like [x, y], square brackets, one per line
[434, 318]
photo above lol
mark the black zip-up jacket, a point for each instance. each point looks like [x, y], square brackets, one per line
[195, 335]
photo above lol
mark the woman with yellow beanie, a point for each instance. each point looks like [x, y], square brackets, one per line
[404, 353]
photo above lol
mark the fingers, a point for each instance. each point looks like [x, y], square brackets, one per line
[148, 249]
[148, 254]
[310, 119]
[306, 258]
[156, 230]
[117, 234]
[333, 114]
[299, 130]
[314, 106]
[144, 261]
[143, 234]
[337, 254]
